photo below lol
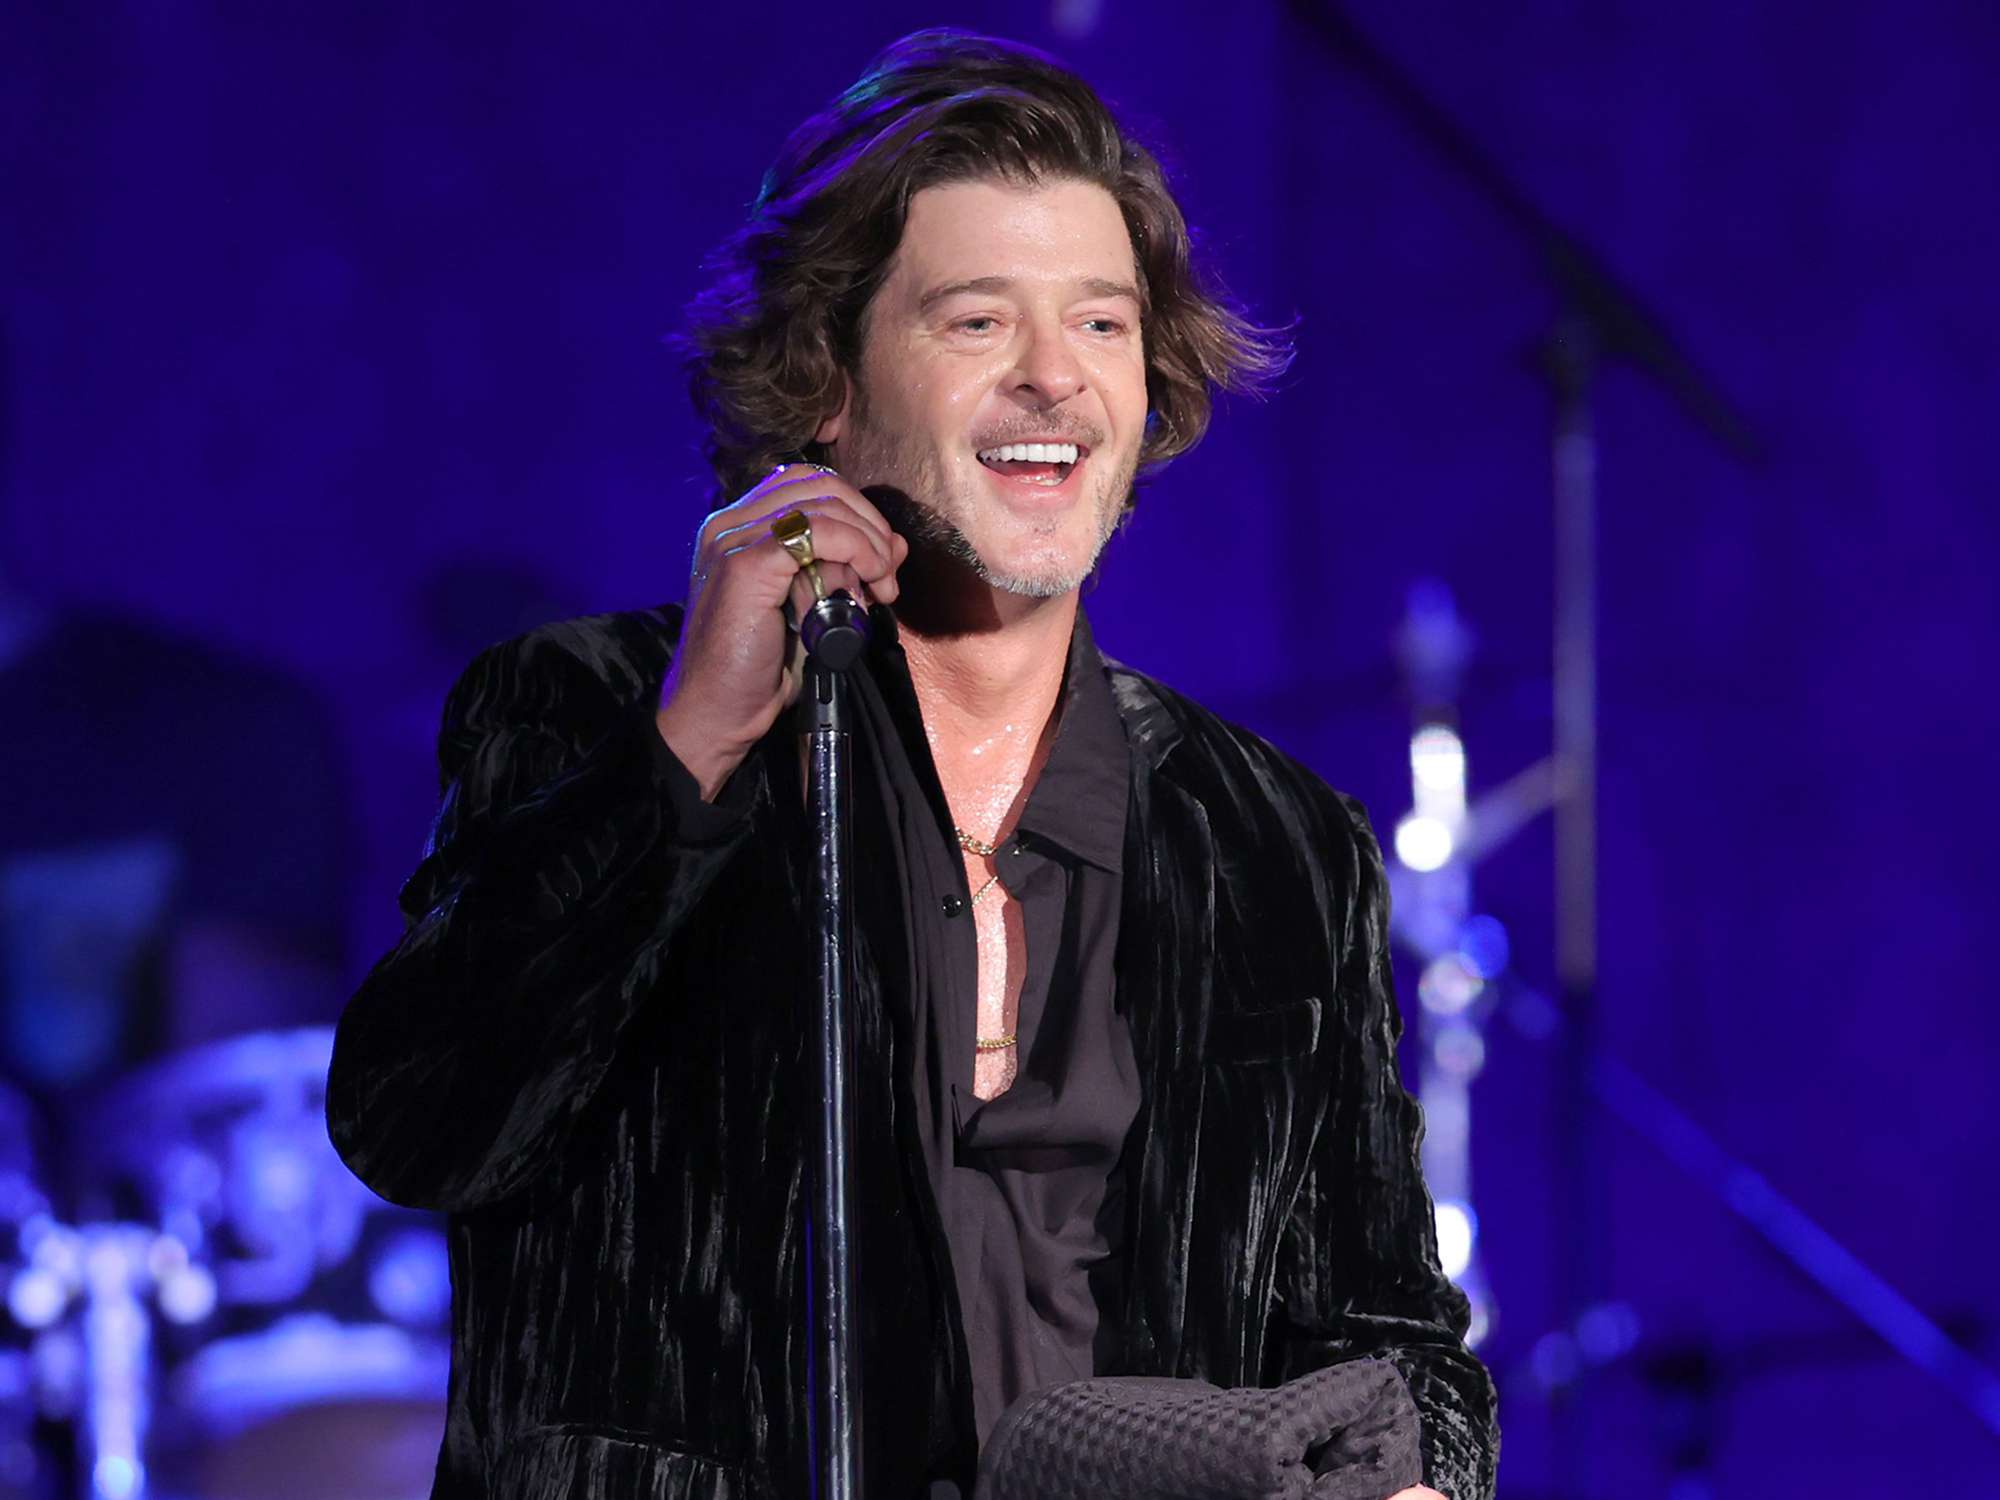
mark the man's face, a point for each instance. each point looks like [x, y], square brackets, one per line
[1008, 326]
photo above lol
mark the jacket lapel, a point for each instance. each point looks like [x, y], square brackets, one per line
[1166, 950]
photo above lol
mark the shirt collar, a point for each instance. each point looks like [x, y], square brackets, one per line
[1078, 803]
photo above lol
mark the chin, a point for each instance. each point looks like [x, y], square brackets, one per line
[1041, 584]
[1040, 557]
[1049, 559]
[1036, 572]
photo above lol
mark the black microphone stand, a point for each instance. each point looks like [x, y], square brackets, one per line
[834, 632]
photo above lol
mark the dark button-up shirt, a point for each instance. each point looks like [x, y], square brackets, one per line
[1026, 1183]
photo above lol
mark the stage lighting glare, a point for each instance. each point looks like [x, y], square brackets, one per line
[165, 1257]
[108, 1262]
[35, 1297]
[1457, 1228]
[1437, 762]
[1447, 1121]
[1554, 1361]
[1423, 843]
[115, 1477]
[1479, 1321]
[51, 1247]
[1606, 1331]
[282, 1176]
[20, 1199]
[187, 1295]
[1460, 1051]
[1483, 942]
[1448, 985]
[411, 1278]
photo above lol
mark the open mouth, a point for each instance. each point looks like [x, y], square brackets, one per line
[1034, 463]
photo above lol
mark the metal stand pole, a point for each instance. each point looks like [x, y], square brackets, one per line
[834, 634]
[1571, 358]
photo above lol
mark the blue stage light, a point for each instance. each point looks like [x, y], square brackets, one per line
[36, 1297]
[1483, 942]
[410, 1280]
[116, 1477]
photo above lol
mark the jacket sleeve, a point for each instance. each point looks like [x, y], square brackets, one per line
[569, 850]
[1358, 1272]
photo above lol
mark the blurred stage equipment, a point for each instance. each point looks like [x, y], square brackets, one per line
[21, 1201]
[1599, 319]
[232, 1314]
[1466, 973]
[1432, 904]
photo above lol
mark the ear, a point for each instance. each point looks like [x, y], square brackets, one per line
[831, 427]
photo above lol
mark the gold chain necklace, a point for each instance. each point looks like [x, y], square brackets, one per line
[976, 846]
[984, 850]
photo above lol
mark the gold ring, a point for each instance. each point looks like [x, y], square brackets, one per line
[794, 533]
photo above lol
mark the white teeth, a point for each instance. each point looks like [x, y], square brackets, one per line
[1030, 453]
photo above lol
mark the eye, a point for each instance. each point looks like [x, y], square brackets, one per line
[1104, 325]
[977, 323]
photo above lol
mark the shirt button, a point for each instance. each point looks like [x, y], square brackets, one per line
[952, 905]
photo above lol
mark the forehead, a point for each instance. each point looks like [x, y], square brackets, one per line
[1051, 233]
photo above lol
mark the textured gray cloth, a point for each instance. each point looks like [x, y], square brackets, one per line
[1348, 1432]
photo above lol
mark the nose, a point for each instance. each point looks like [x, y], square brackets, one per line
[1048, 370]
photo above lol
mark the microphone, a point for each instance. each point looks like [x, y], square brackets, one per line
[836, 631]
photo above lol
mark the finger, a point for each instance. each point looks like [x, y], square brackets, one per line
[836, 537]
[760, 574]
[821, 510]
[850, 495]
[836, 577]
[793, 485]
[871, 558]
[834, 498]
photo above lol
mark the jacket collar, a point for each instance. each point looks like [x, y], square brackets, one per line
[1151, 725]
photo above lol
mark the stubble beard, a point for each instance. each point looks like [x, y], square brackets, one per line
[914, 476]
[931, 530]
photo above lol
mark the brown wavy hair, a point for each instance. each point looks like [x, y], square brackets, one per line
[782, 318]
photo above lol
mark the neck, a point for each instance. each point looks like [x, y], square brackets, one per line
[975, 683]
[980, 657]
[988, 668]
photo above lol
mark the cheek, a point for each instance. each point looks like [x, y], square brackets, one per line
[942, 390]
[956, 400]
[1123, 382]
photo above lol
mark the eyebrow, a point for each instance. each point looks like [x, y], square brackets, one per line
[1095, 286]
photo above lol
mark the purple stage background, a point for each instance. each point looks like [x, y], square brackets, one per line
[332, 336]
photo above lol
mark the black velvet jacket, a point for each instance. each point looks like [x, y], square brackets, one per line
[590, 1050]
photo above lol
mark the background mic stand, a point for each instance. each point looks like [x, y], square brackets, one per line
[1601, 320]
[834, 632]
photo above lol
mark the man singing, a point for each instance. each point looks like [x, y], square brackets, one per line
[1128, 1101]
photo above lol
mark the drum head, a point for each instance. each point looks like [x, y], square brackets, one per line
[348, 1450]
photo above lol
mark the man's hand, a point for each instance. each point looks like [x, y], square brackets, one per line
[738, 665]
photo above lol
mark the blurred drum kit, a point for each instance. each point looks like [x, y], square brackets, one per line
[206, 1305]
